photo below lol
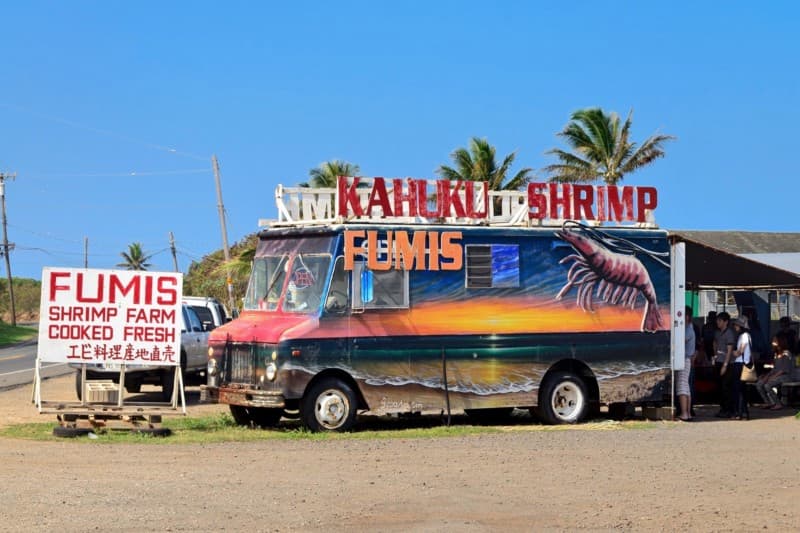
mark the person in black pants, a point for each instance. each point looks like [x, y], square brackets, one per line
[724, 343]
[742, 356]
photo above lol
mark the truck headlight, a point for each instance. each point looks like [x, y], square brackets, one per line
[272, 371]
[212, 367]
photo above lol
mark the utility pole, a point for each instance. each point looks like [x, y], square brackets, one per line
[172, 248]
[225, 250]
[3, 178]
[86, 252]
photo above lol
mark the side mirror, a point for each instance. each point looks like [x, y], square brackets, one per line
[367, 294]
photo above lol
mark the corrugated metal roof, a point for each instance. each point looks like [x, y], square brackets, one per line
[745, 242]
[713, 259]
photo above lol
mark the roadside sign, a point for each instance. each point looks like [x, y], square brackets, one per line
[112, 317]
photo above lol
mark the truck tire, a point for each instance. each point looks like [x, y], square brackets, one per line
[257, 417]
[168, 379]
[265, 417]
[563, 399]
[167, 383]
[329, 405]
[78, 384]
[240, 415]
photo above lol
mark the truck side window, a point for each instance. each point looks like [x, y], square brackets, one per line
[492, 266]
[390, 289]
[194, 322]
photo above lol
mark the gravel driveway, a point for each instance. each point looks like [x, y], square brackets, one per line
[677, 476]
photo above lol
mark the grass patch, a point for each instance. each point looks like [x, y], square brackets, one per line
[222, 428]
[12, 335]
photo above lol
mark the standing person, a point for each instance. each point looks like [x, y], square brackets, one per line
[724, 343]
[682, 376]
[783, 366]
[742, 356]
[786, 330]
[708, 332]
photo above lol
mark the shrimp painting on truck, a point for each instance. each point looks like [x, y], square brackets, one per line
[365, 311]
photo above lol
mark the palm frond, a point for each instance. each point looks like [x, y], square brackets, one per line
[520, 180]
[601, 147]
[648, 152]
[327, 173]
[448, 173]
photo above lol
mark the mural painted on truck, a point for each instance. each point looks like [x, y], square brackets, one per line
[521, 301]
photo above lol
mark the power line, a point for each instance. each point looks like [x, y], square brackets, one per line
[105, 132]
[133, 173]
[43, 235]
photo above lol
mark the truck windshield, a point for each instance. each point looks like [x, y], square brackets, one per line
[292, 282]
[290, 273]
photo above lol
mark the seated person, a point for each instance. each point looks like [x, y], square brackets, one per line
[783, 368]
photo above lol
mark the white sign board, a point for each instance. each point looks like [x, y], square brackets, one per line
[110, 316]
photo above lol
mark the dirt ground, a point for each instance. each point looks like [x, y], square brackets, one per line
[707, 475]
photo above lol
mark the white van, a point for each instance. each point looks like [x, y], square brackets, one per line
[194, 359]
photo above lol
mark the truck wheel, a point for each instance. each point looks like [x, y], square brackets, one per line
[563, 399]
[265, 417]
[168, 379]
[329, 405]
[78, 384]
[167, 383]
[240, 415]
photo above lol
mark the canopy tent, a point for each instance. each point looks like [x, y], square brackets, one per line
[709, 267]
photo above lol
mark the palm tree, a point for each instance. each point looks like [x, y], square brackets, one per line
[601, 149]
[239, 267]
[135, 258]
[478, 163]
[324, 176]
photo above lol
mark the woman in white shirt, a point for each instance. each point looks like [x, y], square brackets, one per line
[742, 356]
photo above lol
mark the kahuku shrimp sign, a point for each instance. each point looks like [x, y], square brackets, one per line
[408, 197]
[110, 316]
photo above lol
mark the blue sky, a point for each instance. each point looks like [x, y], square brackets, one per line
[93, 92]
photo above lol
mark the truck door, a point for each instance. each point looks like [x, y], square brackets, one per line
[381, 339]
[335, 318]
[194, 341]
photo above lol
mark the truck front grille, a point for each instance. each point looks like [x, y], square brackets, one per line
[241, 361]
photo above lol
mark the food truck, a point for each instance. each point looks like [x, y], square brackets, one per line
[403, 296]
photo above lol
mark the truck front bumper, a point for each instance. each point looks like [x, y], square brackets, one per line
[245, 397]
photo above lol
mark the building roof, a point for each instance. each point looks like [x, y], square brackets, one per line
[745, 242]
[733, 259]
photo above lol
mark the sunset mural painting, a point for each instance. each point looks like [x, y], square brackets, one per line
[437, 306]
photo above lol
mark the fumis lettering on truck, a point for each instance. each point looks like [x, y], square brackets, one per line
[413, 296]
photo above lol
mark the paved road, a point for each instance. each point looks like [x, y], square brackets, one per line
[17, 364]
